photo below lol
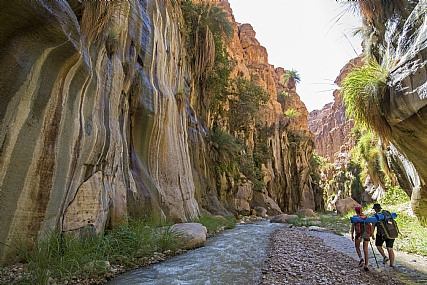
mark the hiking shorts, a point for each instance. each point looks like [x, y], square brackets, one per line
[360, 238]
[379, 240]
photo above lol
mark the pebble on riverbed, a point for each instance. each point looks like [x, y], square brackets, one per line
[296, 257]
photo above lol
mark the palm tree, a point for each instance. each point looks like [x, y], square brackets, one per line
[207, 24]
[290, 78]
[375, 15]
[223, 146]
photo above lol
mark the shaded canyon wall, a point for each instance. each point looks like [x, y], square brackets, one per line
[405, 105]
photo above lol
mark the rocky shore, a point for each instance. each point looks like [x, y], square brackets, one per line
[296, 257]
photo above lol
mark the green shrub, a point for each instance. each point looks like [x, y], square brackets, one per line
[412, 237]
[246, 100]
[290, 78]
[292, 113]
[284, 97]
[252, 172]
[316, 163]
[394, 195]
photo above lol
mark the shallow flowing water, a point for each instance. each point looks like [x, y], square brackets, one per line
[232, 257]
[236, 257]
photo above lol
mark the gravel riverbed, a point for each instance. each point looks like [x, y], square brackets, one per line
[303, 257]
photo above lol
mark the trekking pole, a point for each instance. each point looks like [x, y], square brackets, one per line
[374, 253]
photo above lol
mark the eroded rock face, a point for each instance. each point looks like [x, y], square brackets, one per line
[287, 175]
[89, 206]
[94, 125]
[89, 117]
[406, 105]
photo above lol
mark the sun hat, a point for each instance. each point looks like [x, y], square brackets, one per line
[376, 206]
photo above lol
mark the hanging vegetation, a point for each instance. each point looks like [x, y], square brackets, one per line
[363, 90]
[246, 100]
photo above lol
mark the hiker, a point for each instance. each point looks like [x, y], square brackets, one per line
[361, 231]
[380, 239]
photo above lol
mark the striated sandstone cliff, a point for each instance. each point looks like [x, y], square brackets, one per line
[287, 173]
[90, 127]
[100, 118]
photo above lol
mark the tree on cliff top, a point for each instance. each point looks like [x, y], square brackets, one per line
[291, 78]
[205, 22]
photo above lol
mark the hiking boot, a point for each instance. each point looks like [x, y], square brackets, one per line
[361, 262]
[392, 266]
[385, 259]
[365, 268]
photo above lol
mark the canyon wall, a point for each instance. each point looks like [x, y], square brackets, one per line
[101, 118]
[330, 126]
[405, 105]
[332, 135]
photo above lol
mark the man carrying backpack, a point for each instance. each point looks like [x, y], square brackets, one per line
[363, 232]
[380, 238]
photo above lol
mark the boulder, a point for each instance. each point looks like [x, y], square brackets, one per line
[194, 234]
[306, 213]
[346, 205]
[283, 218]
[260, 211]
[262, 199]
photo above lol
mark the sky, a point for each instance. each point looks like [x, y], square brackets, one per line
[313, 37]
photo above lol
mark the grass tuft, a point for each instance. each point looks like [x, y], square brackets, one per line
[59, 258]
[62, 259]
[215, 224]
[363, 90]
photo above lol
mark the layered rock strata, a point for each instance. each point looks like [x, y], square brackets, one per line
[405, 105]
[101, 119]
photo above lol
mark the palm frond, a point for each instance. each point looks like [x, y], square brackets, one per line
[223, 146]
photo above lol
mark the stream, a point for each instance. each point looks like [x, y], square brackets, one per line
[236, 257]
[232, 257]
